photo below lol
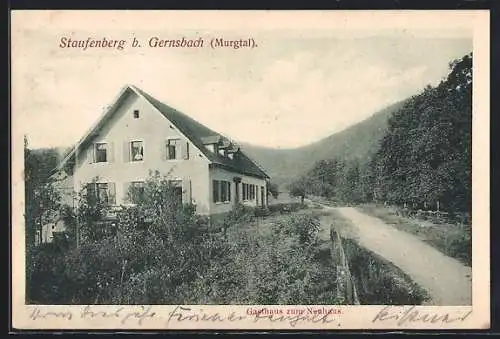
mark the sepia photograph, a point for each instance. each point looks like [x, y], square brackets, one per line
[250, 170]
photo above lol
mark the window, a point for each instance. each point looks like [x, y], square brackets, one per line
[225, 191]
[249, 192]
[138, 184]
[176, 185]
[173, 149]
[221, 191]
[214, 148]
[103, 192]
[136, 190]
[101, 152]
[136, 114]
[137, 151]
[215, 190]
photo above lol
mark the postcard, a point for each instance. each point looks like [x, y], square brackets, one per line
[250, 170]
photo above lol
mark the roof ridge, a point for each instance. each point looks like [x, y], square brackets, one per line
[189, 127]
[195, 137]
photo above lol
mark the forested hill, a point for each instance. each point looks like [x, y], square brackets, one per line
[423, 160]
[359, 142]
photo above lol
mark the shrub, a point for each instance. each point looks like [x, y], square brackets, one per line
[168, 257]
[286, 207]
[238, 214]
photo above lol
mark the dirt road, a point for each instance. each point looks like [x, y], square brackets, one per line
[447, 280]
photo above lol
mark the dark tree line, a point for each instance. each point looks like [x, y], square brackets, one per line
[424, 159]
[42, 200]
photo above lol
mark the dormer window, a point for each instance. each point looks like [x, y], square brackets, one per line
[212, 148]
[231, 151]
[136, 114]
[211, 142]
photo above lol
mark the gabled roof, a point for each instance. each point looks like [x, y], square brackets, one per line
[197, 133]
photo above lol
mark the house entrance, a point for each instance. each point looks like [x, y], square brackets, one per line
[176, 193]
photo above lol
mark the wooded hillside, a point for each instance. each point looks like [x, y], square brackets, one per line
[355, 142]
[424, 158]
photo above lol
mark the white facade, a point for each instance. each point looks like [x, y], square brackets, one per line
[135, 120]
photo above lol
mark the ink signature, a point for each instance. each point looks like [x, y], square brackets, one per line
[391, 314]
[178, 315]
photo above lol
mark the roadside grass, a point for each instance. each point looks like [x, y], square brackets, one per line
[378, 281]
[453, 240]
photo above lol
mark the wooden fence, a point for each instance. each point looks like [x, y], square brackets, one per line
[346, 288]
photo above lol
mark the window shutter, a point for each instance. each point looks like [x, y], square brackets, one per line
[214, 190]
[126, 187]
[229, 191]
[90, 189]
[164, 150]
[126, 151]
[111, 152]
[186, 191]
[112, 193]
[185, 150]
[90, 154]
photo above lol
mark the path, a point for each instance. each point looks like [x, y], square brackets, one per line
[446, 279]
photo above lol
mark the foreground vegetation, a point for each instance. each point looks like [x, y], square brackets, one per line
[162, 253]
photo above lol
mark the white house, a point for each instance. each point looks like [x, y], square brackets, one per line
[138, 133]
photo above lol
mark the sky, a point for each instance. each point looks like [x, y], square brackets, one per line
[298, 86]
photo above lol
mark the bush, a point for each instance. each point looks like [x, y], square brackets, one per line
[281, 266]
[260, 211]
[45, 274]
[173, 259]
[286, 207]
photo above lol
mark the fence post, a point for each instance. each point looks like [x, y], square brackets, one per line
[345, 284]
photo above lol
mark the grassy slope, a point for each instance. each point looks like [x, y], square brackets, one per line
[358, 141]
